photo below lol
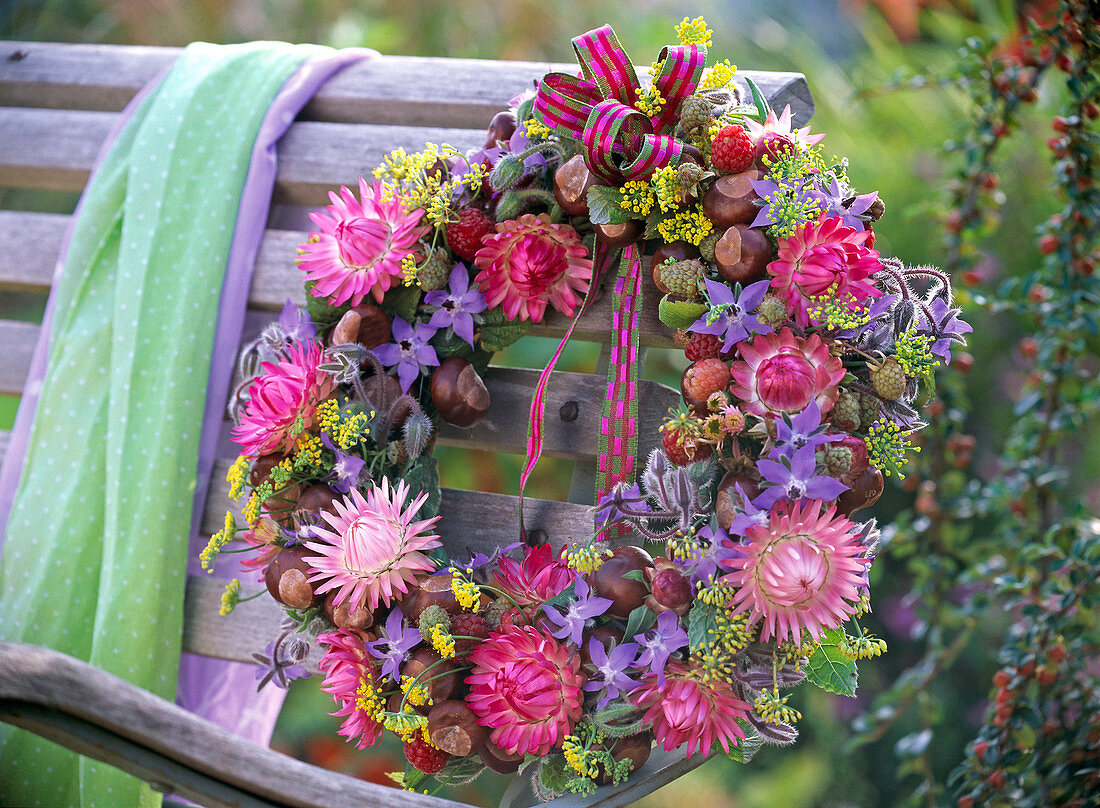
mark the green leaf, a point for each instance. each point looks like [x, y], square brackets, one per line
[639, 620]
[402, 301]
[636, 575]
[762, 105]
[830, 669]
[562, 598]
[422, 474]
[498, 332]
[702, 620]
[321, 311]
[747, 748]
[603, 205]
[447, 344]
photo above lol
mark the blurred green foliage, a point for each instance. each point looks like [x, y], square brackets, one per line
[892, 127]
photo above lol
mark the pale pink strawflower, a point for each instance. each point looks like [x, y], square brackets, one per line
[530, 263]
[801, 572]
[525, 687]
[824, 256]
[782, 125]
[361, 244]
[691, 708]
[375, 548]
[540, 576]
[352, 680]
[282, 400]
[780, 372]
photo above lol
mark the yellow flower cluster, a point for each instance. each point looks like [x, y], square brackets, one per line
[308, 458]
[665, 188]
[694, 32]
[217, 542]
[578, 758]
[252, 509]
[886, 447]
[773, 709]
[536, 129]
[230, 597]
[417, 180]
[442, 642]
[682, 546]
[637, 197]
[237, 476]
[370, 700]
[838, 312]
[690, 225]
[406, 724]
[719, 593]
[408, 270]
[467, 593]
[863, 647]
[416, 694]
[328, 416]
[914, 354]
[352, 430]
[585, 558]
[650, 102]
[719, 76]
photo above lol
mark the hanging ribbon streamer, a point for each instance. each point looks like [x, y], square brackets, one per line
[621, 143]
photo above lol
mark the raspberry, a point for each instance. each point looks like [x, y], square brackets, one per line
[424, 756]
[868, 409]
[679, 437]
[846, 412]
[465, 624]
[682, 278]
[702, 346]
[465, 235]
[433, 275]
[888, 378]
[705, 377]
[732, 150]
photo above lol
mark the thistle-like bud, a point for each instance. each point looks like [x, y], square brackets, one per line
[506, 173]
[416, 432]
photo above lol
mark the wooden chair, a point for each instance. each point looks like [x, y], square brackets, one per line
[57, 105]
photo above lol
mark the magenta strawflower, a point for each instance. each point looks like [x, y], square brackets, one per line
[352, 680]
[783, 373]
[803, 571]
[688, 708]
[530, 262]
[526, 687]
[539, 577]
[282, 401]
[360, 246]
[375, 548]
[824, 256]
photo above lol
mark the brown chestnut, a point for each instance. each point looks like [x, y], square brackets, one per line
[435, 590]
[501, 127]
[636, 747]
[678, 250]
[286, 579]
[459, 393]
[571, 183]
[619, 235]
[453, 727]
[261, 468]
[742, 254]
[498, 760]
[728, 503]
[444, 677]
[317, 498]
[343, 616]
[730, 200]
[382, 391]
[374, 325]
[347, 329]
[865, 491]
[626, 594]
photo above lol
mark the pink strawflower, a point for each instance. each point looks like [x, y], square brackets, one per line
[351, 678]
[374, 549]
[263, 538]
[538, 578]
[361, 244]
[282, 400]
[800, 572]
[781, 125]
[824, 256]
[784, 373]
[526, 687]
[531, 262]
[691, 708]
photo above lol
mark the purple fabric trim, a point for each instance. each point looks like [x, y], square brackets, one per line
[220, 691]
[16, 455]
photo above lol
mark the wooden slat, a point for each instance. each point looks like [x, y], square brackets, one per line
[17, 341]
[44, 684]
[401, 90]
[278, 279]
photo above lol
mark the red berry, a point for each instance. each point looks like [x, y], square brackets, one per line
[702, 346]
[979, 749]
[465, 624]
[1059, 124]
[972, 277]
[424, 756]
[1057, 654]
[1037, 293]
[705, 377]
[1048, 244]
[997, 780]
[1064, 62]
[681, 443]
[732, 150]
[1001, 678]
[1029, 348]
[966, 802]
[1047, 676]
[465, 235]
[1057, 145]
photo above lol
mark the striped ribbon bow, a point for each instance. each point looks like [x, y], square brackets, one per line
[621, 144]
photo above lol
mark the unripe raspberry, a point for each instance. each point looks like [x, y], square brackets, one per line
[772, 311]
[868, 409]
[838, 459]
[682, 278]
[434, 274]
[706, 246]
[845, 415]
[888, 378]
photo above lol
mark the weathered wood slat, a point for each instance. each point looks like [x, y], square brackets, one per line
[17, 341]
[403, 90]
[44, 684]
[34, 240]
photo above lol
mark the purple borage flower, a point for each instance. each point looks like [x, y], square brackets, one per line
[748, 515]
[457, 304]
[944, 329]
[796, 481]
[729, 316]
[409, 352]
[620, 501]
[394, 644]
[346, 469]
[572, 620]
[296, 323]
[611, 676]
[805, 429]
[659, 643]
[834, 200]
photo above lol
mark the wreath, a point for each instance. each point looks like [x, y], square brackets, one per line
[810, 355]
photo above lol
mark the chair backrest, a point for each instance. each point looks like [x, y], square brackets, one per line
[57, 106]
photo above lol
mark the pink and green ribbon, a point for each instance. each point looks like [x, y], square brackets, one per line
[621, 143]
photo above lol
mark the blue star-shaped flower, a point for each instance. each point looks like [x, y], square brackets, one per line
[805, 429]
[394, 644]
[659, 643]
[611, 668]
[728, 315]
[796, 481]
[409, 352]
[572, 621]
[457, 305]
